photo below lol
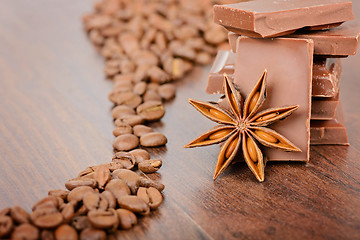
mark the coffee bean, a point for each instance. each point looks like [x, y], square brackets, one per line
[126, 159]
[153, 139]
[145, 182]
[122, 110]
[68, 212]
[5, 211]
[127, 98]
[203, 58]
[6, 225]
[134, 204]
[151, 95]
[158, 75]
[126, 142]
[151, 110]
[46, 218]
[150, 166]
[19, 215]
[80, 181]
[109, 198]
[140, 154]
[118, 188]
[47, 234]
[65, 232]
[47, 202]
[127, 219]
[92, 234]
[77, 194]
[114, 165]
[131, 120]
[140, 130]
[167, 91]
[103, 219]
[59, 193]
[131, 178]
[91, 200]
[122, 128]
[25, 231]
[81, 223]
[87, 171]
[140, 88]
[102, 176]
[151, 196]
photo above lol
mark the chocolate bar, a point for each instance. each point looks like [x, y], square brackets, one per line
[336, 42]
[340, 41]
[329, 132]
[325, 82]
[289, 65]
[324, 108]
[326, 77]
[270, 18]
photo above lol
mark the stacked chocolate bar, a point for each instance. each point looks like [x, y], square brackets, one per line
[301, 44]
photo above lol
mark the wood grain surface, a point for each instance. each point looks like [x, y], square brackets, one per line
[55, 121]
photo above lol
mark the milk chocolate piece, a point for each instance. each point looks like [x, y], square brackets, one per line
[324, 108]
[329, 132]
[341, 41]
[270, 18]
[326, 77]
[289, 65]
[325, 82]
[337, 42]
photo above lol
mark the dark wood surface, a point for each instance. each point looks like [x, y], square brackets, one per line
[55, 121]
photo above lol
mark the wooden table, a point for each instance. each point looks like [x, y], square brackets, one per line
[55, 121]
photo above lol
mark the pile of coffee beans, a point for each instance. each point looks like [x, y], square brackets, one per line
[147, 44]
[99, 201]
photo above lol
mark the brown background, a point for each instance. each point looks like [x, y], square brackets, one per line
[55, 121]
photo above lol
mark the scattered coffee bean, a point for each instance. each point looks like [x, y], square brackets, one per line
[167, 91]
[153, 139]
[80, 181]
[47, 234]
[6, 225]
[19, 215]
[145, 182]
[140, 154]
[68, 212]
[131, 120]
[151, 110]
[134, 204]
[126, 159]
[126, 142]
[127, 219]
[59, 193]
[25, 231]
[102, 175]
[103, 219]
[109, 198]
[122, 110]
[131, 178]
[65, 232]
[77, 194]
[150, 166]
[118, 188]
[46, 218]
[140, 130]
[122, 128]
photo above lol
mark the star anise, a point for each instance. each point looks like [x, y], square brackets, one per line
[243, 125]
